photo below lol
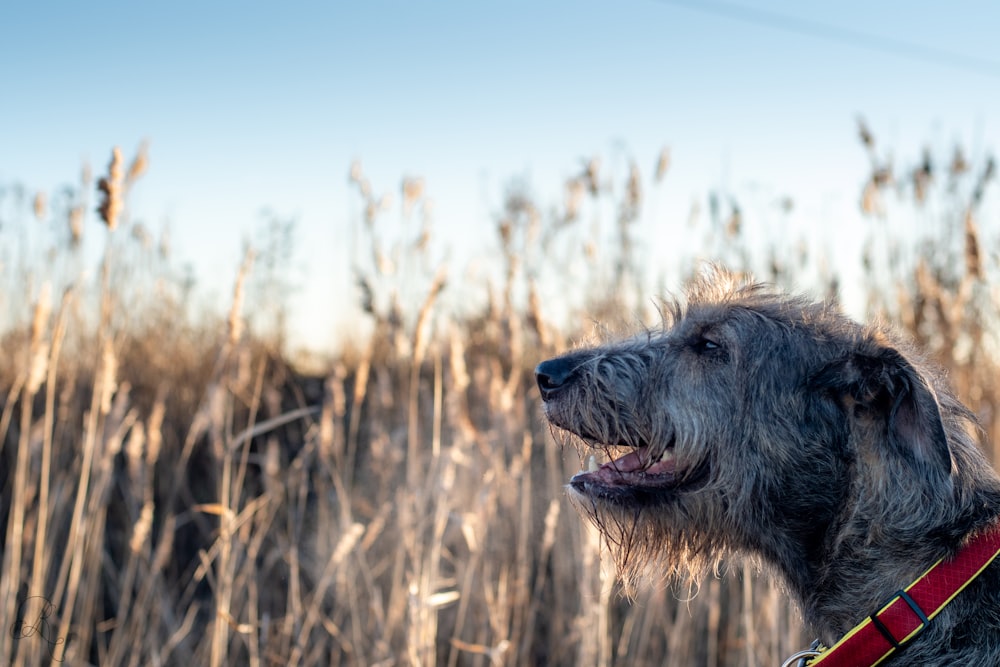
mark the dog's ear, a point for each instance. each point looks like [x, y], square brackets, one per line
[882, 388]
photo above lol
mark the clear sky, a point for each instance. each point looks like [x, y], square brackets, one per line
[250, 105]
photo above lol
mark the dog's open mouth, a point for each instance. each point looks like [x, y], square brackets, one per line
[643, 474]
[633, 469]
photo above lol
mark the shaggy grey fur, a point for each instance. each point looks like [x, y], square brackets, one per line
[823, 449]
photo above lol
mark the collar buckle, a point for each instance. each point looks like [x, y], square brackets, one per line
[802, 658]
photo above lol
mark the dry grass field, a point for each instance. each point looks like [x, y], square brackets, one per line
[173, 491]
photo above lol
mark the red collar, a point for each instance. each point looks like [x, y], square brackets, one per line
[909, 611]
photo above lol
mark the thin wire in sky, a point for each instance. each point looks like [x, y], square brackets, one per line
[810, 28]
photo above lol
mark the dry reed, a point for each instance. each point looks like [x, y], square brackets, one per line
[181, 495]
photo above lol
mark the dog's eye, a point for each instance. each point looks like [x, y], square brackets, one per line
[706, 345]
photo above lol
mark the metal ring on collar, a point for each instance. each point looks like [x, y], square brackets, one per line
[800, 657]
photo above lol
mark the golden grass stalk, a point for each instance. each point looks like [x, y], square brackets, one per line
[107, 375]
[973, 258]
[15, 546]
[154, 429]
[236, 323]
[420, 335]
[347, 542]
[38, 347]
[41, 557]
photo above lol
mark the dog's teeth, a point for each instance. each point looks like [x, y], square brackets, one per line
[667, 456]
[592, 464]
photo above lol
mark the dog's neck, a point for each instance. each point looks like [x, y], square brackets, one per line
[860, 570]
[884, 523]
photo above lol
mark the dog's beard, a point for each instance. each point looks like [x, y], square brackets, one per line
[650, 544]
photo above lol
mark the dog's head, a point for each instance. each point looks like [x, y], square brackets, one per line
[751, 422]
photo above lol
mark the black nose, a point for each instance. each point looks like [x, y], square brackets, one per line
[553, 375]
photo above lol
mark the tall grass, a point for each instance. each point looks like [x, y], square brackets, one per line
[174, 492]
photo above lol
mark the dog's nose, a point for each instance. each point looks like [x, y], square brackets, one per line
[553, 375]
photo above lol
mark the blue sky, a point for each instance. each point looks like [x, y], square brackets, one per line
[248, 105]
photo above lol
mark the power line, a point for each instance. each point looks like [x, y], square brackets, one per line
[810, 28]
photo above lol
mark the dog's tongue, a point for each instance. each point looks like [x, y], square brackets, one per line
[631, 462]
[634, 462]
[630, 469]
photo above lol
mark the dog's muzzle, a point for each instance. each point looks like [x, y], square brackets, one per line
[555, 375]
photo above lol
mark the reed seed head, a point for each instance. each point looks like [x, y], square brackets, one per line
[662, 164]
[139, 165]
[39, 349]
[39, 206]
[110, 188]
[76, 225]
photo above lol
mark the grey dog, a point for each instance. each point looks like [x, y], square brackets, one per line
[768, 426]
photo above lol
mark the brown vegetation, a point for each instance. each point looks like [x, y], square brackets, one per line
[181, 495]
